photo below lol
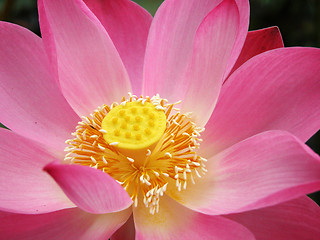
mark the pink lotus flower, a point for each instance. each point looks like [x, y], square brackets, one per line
[246, 179]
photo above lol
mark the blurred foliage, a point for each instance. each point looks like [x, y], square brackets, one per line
[150, 5]
[298, 21]
[21, 12]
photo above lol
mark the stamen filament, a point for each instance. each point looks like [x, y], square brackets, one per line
[144, 176]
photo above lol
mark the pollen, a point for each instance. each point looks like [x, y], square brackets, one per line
[143, 143]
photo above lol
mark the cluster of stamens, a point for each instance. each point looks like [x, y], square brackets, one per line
[144, 172]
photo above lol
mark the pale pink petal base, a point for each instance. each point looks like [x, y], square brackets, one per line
[24, 187]
[275, 90]
[173, 221]
[90, 189]
[261, 171]
[297, 219]
[128, 26]
[68, 224]
[31, 103]
[85, 54]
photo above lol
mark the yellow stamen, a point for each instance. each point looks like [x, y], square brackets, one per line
[141, 143]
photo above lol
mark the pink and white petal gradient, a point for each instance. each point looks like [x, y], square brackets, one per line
[212, 48]
[264, 170]
[90, 189]
[173, 221]
[257, 42]
[258, 170]
[297, 219]
[126, 232]
[24, 187]
[69, 224]
[90, 69]
[170, 41]
[30, 101]
[128, 26]
[274, 90]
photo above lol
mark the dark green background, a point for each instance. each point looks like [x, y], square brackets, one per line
[298, 20]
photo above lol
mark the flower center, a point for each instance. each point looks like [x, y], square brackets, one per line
[134, 125]
[142, 143]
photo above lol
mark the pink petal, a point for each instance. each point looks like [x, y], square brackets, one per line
[257, 42]
[264, 170]
[69, 224]
[90, 69]
[169, 47]
[211, 51]
[90, 189]
[277, 89]
[173, 221]
[24, 187]
[31, 103]
[244, 10]
[297, 219]
[126, 232]
[128, 26]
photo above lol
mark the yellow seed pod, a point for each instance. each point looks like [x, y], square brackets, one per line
[134, 125]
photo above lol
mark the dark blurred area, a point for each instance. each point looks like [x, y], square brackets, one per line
[299, 23]
[21, 12]
[298, 20]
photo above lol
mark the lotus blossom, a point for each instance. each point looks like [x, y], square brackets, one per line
[184, 126]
